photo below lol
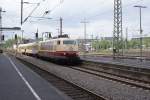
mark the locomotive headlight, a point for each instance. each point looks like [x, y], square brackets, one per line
[77, 53]
[64, 53]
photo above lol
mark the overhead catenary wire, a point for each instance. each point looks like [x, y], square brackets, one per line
[38, 4]
[49, 11]
[31, 13]
[111, 10]
[97, 15]
[46, 12]
[101, 14]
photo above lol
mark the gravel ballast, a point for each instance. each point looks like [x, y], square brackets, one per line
[107, 88]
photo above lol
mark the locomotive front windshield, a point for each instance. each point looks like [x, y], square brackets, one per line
[69, 42]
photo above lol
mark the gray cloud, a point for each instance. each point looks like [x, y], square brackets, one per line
[98, 12]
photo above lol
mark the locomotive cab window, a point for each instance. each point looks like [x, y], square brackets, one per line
[58, 42]
[71, 42]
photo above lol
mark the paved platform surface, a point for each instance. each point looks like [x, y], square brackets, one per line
[119, 61]
[17, 82]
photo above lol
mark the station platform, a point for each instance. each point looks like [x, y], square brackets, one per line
[118, 61]
[18, 82]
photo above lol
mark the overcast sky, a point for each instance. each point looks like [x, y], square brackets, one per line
[99, 15]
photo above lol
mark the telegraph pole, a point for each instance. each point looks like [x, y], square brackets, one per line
[21, 12]
[92, 42]
[58, 31]
[92, 37]
[141, 31]
[61, 25]
[85, 35]
[117, 33]
[122, 44]
[126, 40]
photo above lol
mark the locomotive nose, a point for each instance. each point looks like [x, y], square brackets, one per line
[71, 48]
[71, 54]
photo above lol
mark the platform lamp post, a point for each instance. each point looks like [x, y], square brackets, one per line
[1, 11]
[16, 42]
[141, 31]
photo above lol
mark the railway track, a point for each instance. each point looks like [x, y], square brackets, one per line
[72, 90]
[134, 73]
[110, 72]
[115, 74]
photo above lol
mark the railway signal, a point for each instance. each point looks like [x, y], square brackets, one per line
[49, 35]
[3, 38]
[16, 37]
[36, 35]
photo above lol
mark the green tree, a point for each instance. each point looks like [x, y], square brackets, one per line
[134, 44]
[103, 44]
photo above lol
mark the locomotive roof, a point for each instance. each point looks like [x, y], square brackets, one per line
[28, 44]
[35, 43]
[57, 39]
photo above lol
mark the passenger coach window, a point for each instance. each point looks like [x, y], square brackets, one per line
[58, 42]
[69, 42]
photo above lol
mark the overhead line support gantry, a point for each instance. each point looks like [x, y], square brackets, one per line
[117, 32]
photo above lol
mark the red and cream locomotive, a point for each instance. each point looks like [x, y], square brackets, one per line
[59, 49]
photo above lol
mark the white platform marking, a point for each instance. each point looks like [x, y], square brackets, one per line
[23, 78]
